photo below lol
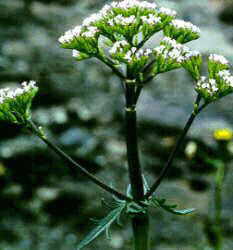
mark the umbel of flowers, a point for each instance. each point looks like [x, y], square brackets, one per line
[127, 25]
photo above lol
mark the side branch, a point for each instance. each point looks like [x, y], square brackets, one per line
[66, 157]
[175, 150]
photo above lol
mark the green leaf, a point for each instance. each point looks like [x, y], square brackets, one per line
[161, 203]
[103, 225]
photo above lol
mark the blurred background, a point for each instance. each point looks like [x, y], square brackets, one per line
[46, 205]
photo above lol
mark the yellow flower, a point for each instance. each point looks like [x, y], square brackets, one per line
[223, 134]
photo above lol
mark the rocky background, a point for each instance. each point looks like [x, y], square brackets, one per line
[44, 204]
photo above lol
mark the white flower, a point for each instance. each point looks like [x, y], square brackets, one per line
[168, 12]
[147, 5]
[171, 42]
[189, 54]
[218, 59]
[174, 53]
[126, 4]
[92, 19]
[151, 19]
[213, 85]
[224, 73]
[209, 85]
[75, 53]
[159, 50]
[133, 54]
[121, 20]
[105, 10]
[180, 24]
[77, 32]
[91, 32]
[70, 35]
[226, 76]
[118, 46]
[7, 93]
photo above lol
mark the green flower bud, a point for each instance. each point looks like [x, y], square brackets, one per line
[192, 62]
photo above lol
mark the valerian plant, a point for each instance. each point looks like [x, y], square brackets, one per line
[117, 37]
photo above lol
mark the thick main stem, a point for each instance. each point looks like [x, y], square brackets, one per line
[140, 224]
[140, 221]
[132, 155]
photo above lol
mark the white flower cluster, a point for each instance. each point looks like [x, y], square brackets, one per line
[189, 55]
[209, 85]
[107, 9]
[185, 52]
[120, 19]
[70, 35]
[133, 54]
[118, 47]
[218, 59]
[8, 93]
[91, 32]
[167, 12]
[93, 18]
[176, 51]
[171, 42]
[126, 4]
[180, 24]
[226, 76]
[75, 33]
[151, 19]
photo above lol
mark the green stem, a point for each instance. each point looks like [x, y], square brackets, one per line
[140, 221]
[175, 149]
[218, 205]
[132, 155]
[67, 158]
[140, 224]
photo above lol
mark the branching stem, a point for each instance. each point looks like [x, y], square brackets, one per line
[67, 158]
[176, 148]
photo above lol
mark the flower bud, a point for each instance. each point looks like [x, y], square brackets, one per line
[192, 62]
